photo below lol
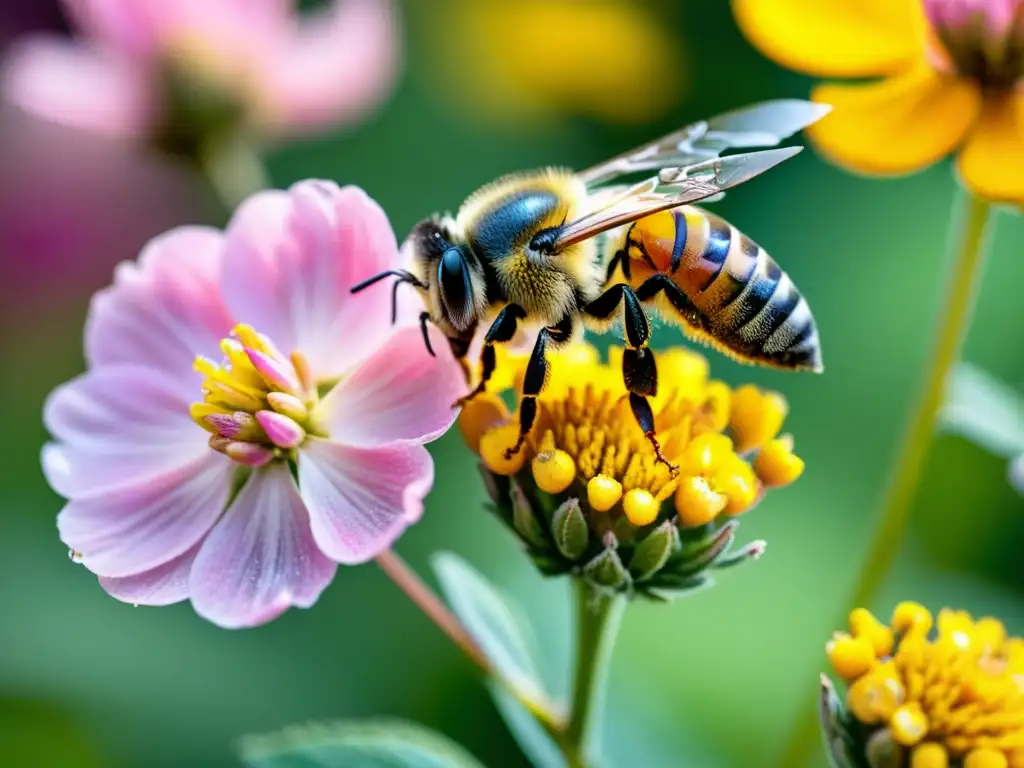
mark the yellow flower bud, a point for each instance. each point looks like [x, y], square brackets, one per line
[875, 697]
[603, 492]
[715, 409]
[553, 471]
[484, 411]
[705, 452]
[909, 725]
[913, 618]
[696, 503]
[737, 482]
[986, 757]
[777, 465]
[640, 507]
[850, 656]
[864, 624]
[755, 417]
[493, 445]
[929, 755]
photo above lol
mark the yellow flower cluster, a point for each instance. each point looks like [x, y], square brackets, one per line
[586, 438]
[952, 696]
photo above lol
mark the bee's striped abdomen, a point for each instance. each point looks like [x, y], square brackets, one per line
[738, 297]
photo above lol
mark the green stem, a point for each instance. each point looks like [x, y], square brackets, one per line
[953, 321]
[232, 170]
[597, 625]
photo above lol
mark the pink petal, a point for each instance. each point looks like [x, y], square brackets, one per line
[141, 27]
[341, 63]
[136, 528]
[290, 261]
[70, 83]
[400, 393]
[361, 499]
[261, 558]
[164, 585]
[164, 309]
[115, 426]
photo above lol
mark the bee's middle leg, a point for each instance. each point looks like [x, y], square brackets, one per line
[502, 329]
[639, 371]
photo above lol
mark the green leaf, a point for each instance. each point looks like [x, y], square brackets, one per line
[985, 411]
[570, 529]
[523, 517]
[355, 744]
[492, 619]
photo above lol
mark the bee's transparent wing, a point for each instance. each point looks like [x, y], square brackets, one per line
[671, 188]
[759, 125]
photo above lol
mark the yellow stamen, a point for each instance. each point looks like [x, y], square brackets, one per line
[776, 464]
[553, 471]
[640, 507]
[865, 625]
[929, 755]
[493, 445]
[484, 411]
[737, 482]
[696, 503]
[909, 724]
[705, 453]
[985, 757]
[603, 492]
[911, 617]
[755, 417]
[850, 656]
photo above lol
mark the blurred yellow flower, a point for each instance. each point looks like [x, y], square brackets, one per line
[950, 74]
[931, 699]
[587, 495]
[612, 60]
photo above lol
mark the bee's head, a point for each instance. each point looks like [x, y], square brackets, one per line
[451, 272]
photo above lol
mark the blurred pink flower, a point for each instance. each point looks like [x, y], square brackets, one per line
[315, 419]
[289, 74]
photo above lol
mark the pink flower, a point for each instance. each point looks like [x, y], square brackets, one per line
[303, 445]
[284, 74]
[982, 38]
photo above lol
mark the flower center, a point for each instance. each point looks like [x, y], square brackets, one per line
[979, 42]
[257, 403]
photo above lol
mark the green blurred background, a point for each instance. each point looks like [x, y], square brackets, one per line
[713, 680]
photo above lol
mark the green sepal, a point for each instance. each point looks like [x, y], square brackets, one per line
[668, 586]
[751, 551]
[653, 552]
[836, 739]
[523, 518]
[495, 485]
[607, 571]
[882, 751]
[570, 530]
[695, 559]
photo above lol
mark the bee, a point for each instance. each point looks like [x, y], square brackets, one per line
[567, 250]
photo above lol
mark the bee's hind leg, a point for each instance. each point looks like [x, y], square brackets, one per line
[535, 378]
[639, 371]
[502, 329]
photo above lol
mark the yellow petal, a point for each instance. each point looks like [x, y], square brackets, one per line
[992, 161]
[835, 38]
[898, 125]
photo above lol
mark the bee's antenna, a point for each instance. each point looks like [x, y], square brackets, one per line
[424, 317]
[403, 276]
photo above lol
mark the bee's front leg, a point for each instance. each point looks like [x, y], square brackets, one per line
[639, 371]
[536, 376]
[502, 329]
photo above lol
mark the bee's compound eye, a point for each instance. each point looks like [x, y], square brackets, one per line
[456, 288]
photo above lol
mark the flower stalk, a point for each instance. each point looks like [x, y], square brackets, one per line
[954, 319]
[406, 579]
[597, 625]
